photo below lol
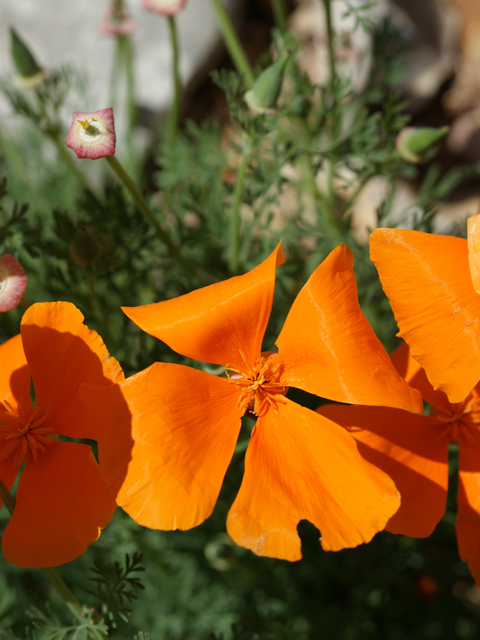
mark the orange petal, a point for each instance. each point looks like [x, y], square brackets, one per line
[473, 243]
[299, 465]
[329, 348]
[415, 375]
[14, 373]
[185, 426]
[62, 504]
[108, 415]
[412, 450]
[215, 323]
[468, 501]
[62, 354]
[427, 279]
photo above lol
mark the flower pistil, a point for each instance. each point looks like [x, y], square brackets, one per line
[258, 384]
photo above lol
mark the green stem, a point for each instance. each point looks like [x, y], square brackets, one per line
[116, 66]
[236, 205]
[280, 14]
[125, 43]
[232, 43]
[330, 44]
[147, 213]
[52, 574]
[7, 498]
[176, 110]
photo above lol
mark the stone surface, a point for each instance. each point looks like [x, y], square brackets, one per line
[61, 32]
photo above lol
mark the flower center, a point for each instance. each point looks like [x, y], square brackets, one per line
[463, 414]
[89, 130]
[259, 385]
[23, 431]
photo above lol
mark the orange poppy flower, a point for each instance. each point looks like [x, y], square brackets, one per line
[433, 284]
[185, 423]
[61, 501]
[413, 450]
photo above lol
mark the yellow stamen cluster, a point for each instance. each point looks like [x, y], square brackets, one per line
[259, 383]
[466, 414]
[89, 127]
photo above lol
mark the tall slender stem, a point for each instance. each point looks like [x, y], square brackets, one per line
[176, 110]
[233, 44]
[330, 45]
[336, 122]
[7, 498]
[280, 14]
[52, 574]
[236, 205]
[148, 214]
[116, 66]
[126, 44]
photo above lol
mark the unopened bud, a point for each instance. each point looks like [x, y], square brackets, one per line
[263, 96]
[29, 73]
[413, 143]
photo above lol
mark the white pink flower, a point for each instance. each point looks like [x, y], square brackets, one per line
[92, 134]
[164, 7]
[117, 22]
[13, 282]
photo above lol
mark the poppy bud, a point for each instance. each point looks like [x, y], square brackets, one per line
[13, 282]
[84, 248]
[263, 96]
[413, 143]
[29, 74]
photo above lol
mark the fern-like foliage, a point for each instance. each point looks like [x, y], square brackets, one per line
[115, 586]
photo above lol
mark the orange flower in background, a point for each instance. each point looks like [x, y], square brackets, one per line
[298, 464]
[61, 501]
[413, 451]
[433, 284]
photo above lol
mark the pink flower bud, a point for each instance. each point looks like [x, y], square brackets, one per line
[164, 7]
[92, 135]
[13, 282]
[117, 22]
